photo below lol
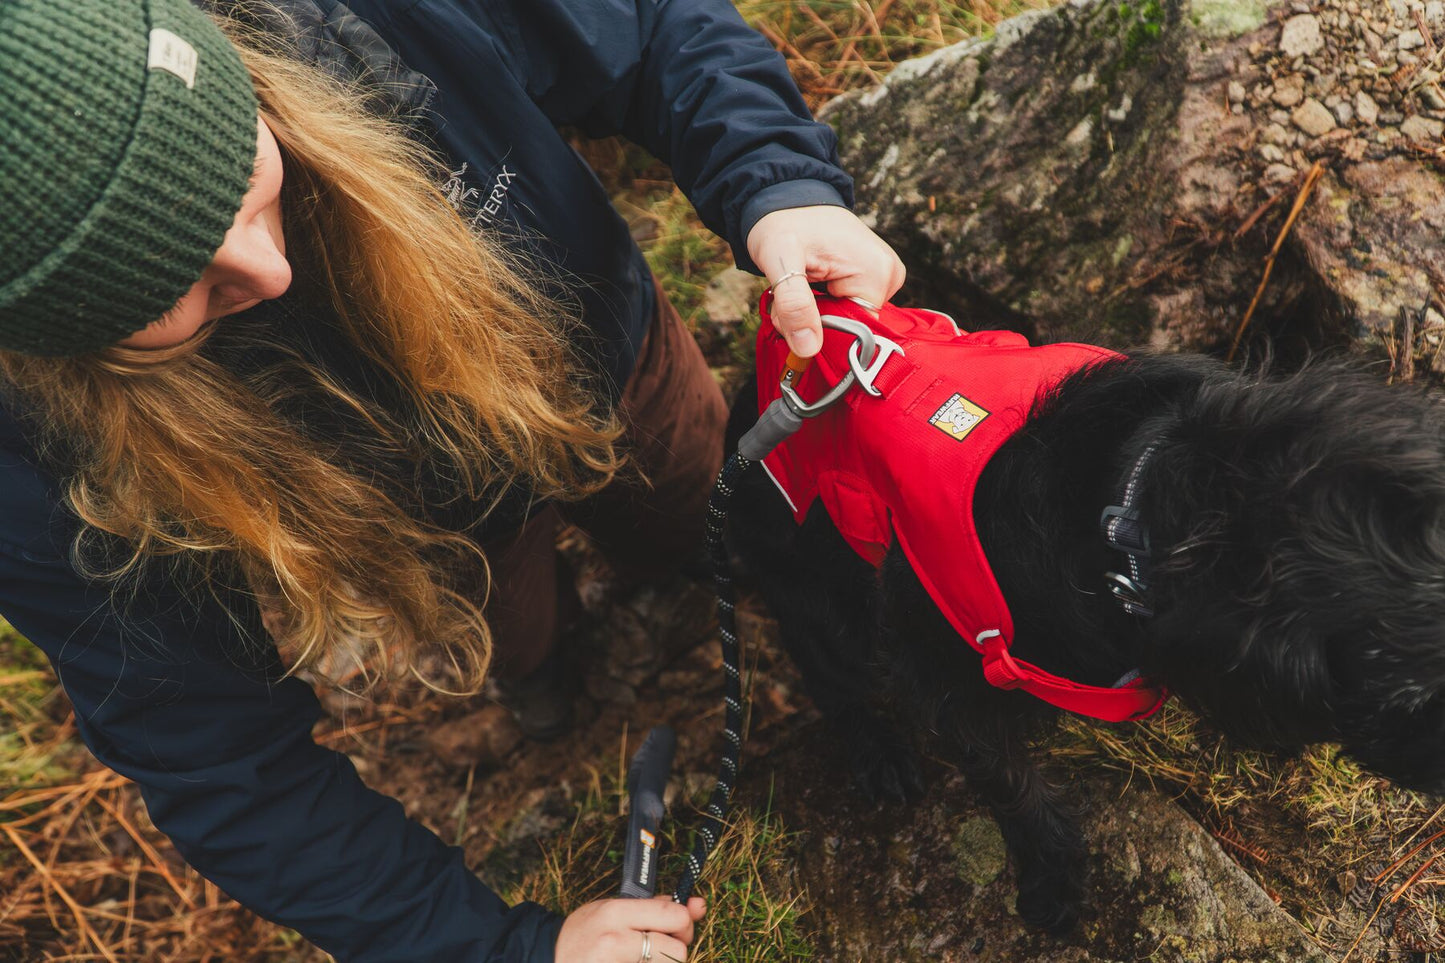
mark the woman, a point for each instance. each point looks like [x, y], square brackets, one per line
[266, 392]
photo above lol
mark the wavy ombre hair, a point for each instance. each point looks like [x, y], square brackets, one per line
[177, 456]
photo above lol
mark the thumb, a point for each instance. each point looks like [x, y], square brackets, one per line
[795, 313]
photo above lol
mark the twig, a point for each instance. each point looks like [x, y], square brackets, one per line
[1256, 214]
[1311, 179]
[149, 851]
[812, 15]
[1227, 835]
[1407, 345]
[1363, 930]
[1400, 890]
[1390, 870]
[60, 891]
[1430, 48]
[795, 56]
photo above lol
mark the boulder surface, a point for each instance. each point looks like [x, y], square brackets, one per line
[1119, 171]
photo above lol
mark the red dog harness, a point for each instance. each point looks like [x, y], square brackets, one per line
[904, 464]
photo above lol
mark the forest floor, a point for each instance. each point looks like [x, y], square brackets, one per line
[84, 876]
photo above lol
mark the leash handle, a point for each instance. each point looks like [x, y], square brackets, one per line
[646, 783]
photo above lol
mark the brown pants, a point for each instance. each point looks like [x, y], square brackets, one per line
[673, 418]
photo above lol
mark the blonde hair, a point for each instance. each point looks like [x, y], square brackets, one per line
[180, 457]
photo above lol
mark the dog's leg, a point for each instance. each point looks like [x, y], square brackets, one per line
[826, 600]
[986, 732]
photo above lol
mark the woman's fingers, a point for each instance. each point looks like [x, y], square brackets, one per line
[612, 931]
[666, 948]
[819, 244]
[696, 907]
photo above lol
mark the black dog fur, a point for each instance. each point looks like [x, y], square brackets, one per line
[1298, 532]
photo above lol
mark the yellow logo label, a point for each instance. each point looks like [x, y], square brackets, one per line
[648, 839]
[957, 417]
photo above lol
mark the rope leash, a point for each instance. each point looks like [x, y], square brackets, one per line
[648, 773]
[711, 830]
[781, 418]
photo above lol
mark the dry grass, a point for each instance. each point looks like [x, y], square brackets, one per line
[834, 46]
[1315, 831]
[753, 913]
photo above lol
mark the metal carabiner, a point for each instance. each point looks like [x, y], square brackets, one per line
[864, 340]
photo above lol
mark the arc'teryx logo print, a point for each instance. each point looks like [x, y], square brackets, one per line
[464, 197]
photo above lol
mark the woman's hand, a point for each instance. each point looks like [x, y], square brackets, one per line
[801, 245]
[611, 931]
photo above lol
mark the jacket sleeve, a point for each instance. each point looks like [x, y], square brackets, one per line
[165, 694]
[691, 82]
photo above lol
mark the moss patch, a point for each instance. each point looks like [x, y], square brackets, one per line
[1229, 18]
[978, 851]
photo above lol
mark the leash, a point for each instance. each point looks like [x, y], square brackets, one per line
[647, 774]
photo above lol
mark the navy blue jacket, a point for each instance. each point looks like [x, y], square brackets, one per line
[171, 692]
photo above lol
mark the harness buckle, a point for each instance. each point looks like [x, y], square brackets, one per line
[1124, 530]
[865, 375]
[1128, 592]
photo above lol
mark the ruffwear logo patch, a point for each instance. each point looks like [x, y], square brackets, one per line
[957, 416]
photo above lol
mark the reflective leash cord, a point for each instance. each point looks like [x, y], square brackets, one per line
[780, 419]
[717, 806]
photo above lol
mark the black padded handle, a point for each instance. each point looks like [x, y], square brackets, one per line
[646, 782]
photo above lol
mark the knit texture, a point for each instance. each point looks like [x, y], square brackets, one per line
[118, 182]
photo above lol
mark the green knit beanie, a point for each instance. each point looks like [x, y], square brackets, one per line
[127, 140]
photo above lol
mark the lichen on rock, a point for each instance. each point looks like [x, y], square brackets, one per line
[1009, 172]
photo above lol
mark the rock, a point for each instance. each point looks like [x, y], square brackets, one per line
[484, 738]
[1278, 135]
[1236, 92]
[1277, 174]
[1312, 118]
[1300, 36]
[731, 295]
[1422, 130]
[1366, 109]
[979, 851]
[1410, 39]
[929, 881]
[985, 194]
[1289, 95]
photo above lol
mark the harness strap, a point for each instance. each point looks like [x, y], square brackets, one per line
[1127, 702]
[1125, 532]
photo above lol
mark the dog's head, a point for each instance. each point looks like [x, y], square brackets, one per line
[1298, 527]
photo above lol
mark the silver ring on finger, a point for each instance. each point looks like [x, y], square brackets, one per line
[646, 947]
[786, 277]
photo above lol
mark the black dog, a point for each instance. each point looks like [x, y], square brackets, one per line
[1297, 586]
